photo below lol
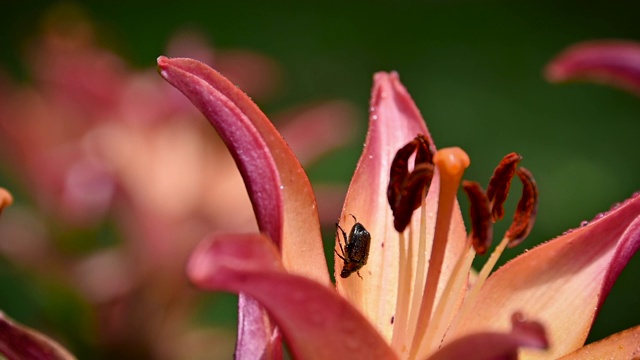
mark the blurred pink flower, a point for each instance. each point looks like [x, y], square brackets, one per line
[413, 298]
[94, 140]
[611, 62]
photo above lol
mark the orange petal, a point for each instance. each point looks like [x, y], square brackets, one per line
[563, 282]
[282, 197]
[619, 346]
[20, 342]
[316, 322]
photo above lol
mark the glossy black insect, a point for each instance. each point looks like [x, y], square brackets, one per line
[356, 250]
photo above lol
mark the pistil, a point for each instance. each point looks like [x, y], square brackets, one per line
[451, 163]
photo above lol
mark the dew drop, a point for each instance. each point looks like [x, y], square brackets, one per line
[281, 187]
[372, 109]
[584, 223]
[374, 117]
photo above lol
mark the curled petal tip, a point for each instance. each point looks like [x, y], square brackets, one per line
[612, 62]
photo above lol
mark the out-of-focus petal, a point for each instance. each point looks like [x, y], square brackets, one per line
[394, 120]
[612, 62]
[620, 346]
[314, 130]
[563, 282]
[494, 345]
[315, 320]
[5, 199]
[18, 342]
[282, 197]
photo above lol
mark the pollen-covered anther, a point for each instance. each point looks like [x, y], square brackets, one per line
[525, 215]
[406, 188]
[500, 183]
[481, 223]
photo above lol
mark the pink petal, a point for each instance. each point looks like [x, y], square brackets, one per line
[317, 322]
[612, 62]
[563, 282]
[282, 197]
[494, 345]
[280, 192]
[18, 342]
[394, 120]
[622, 345]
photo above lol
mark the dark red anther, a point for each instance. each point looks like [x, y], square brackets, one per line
[525, 215]
[406, 189]
[412, 195]
[481, 223]
[425, 150]
[398, 173]
[500, 183]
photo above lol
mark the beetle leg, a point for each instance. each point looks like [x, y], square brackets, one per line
[354, 218]
[340, 242]
[358, 272]
[340, 256]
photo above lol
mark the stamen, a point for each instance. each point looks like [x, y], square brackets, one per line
[5, 199]
[525, 215]
[404, 289]
[412, 195]
[451, 163]
[449, 303]
[421, 266]
[520, 228]
[481, 225]
[426, 150]
[405, 189]
[398, 174]
[500, 183]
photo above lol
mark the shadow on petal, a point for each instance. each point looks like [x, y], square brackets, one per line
[493, 345]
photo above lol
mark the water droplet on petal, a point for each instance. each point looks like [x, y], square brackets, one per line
[584, 223]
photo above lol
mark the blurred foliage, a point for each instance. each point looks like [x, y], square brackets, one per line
[474, 69]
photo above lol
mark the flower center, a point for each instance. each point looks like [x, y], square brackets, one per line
[422, 319]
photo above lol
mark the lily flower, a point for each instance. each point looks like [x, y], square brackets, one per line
[408, 298]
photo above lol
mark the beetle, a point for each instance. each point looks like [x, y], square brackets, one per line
[356, 250]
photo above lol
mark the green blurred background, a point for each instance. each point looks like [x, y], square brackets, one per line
[474, 69]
